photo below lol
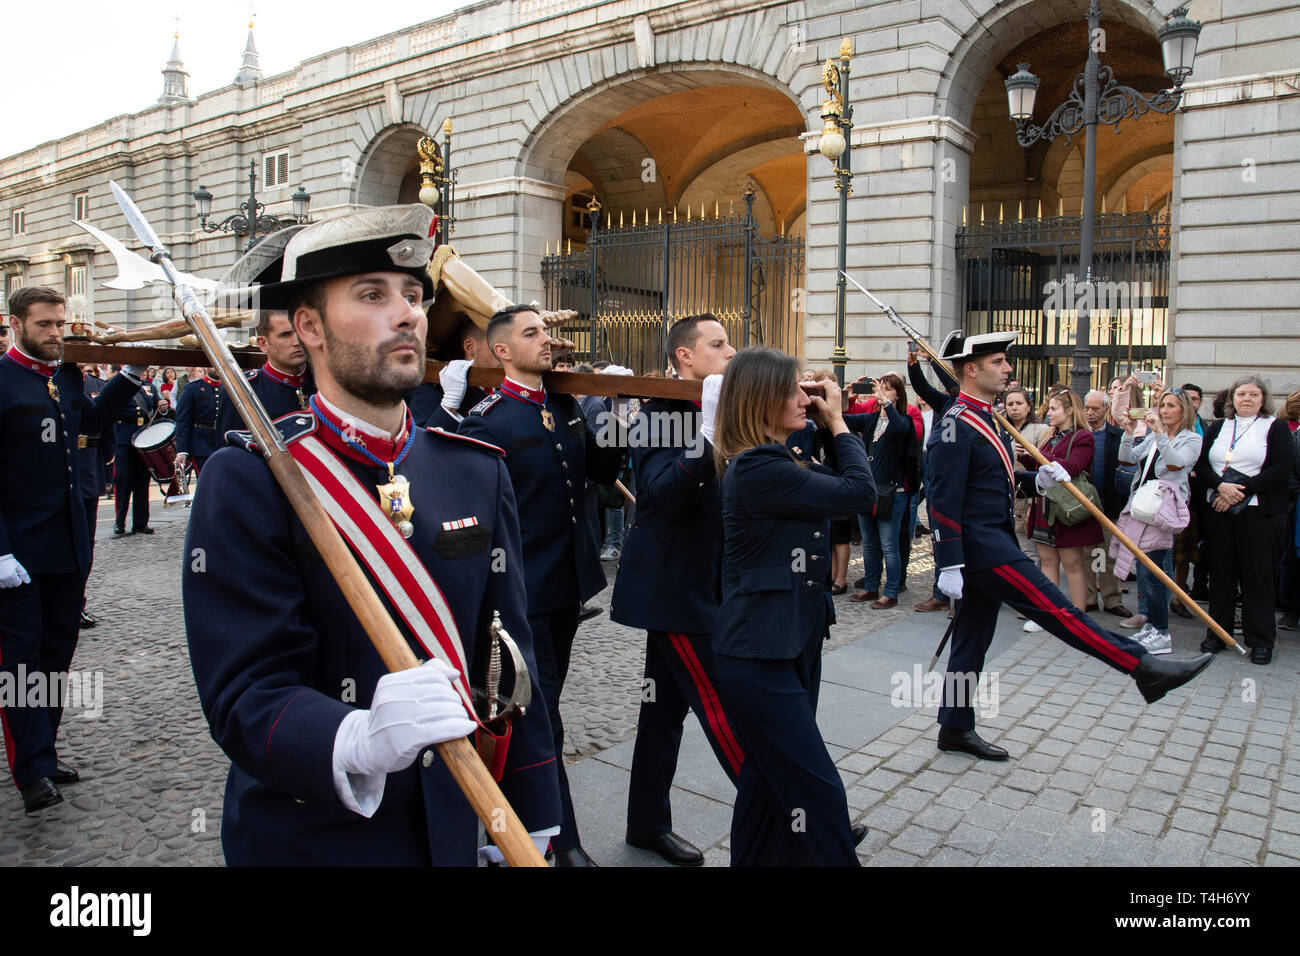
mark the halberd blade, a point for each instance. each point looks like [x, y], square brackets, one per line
[135, 218]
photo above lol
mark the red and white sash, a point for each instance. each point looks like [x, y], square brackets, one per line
[389, 557]
[968, 415]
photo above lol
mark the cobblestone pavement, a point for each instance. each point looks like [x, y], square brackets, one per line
[1208, 778]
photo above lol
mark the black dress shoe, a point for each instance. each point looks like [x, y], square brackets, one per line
[40, 794]
[88, 620]
[575, 857]
[1157, 676]
[859, 831]
[586, 613]
[64, 774]
[118, 531]
[839, 588]
[1212, 645]
[145, 530]
[1261, 655]
[1288, 622]
[671, 847]
[969, 742]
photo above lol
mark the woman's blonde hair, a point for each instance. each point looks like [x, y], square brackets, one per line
[1077, 418]
[1185, 403]
[757, 383]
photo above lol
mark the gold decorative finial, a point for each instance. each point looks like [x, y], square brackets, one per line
[446, 125]
[430, 170]
[846, 48]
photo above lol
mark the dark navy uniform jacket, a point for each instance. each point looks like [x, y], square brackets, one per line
[42, 518]
[135, 415]
[972, 488]
[196, 418]
[547, 470]
[669, 577]
[98, 450]
[278, 653]
[425, 402]
[776, 514]
[277, 398]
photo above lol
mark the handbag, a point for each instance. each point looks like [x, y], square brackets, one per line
[1062, 506]
[1150, 495]
[1235, 477]
[884, 509]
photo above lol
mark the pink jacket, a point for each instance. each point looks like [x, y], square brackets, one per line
[1172, 518]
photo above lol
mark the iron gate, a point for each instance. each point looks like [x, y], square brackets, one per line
[631, 283]
[1024, 275]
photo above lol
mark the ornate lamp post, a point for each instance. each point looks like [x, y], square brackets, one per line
[435, 171]
[835, 146]
[251, 218]
[1096, 96]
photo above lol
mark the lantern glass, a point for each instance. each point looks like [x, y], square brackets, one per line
[203, 201]
[301, 203]
[1022, 90]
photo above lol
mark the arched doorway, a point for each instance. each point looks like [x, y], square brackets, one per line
[699, 183]
[388, 172]
[1017, 244]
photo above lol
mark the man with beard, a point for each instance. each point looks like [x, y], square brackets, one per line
[550, 451]
[44, 541]
[283, 384]
[333, 759]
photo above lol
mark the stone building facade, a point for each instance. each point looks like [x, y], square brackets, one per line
[556, 99]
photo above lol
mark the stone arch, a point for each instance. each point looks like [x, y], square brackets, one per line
[991, 36]
[386, 170]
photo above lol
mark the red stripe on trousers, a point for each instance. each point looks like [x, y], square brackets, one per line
[712, 704]
[1080, 630]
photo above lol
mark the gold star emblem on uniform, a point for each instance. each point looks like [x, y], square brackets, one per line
[395, 499]
[548, 419]
[54, 389]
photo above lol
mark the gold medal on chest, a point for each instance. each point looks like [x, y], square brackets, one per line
[395, 499]
[548, 419]
[54, 389]
[302, 399]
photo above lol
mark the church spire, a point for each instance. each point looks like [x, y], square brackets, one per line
[175, 79]
[250, 70]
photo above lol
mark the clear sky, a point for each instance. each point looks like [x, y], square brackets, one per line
[71, 64]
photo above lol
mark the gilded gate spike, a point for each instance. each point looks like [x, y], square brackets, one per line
[570, 251]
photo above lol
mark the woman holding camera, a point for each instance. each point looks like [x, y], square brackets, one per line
[888, 431]
[776, 612]
[1020, 413]
[1167, 452]
[1245, 461]
[1059, 545]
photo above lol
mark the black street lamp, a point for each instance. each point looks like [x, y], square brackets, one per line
[1096, 96]
[835, 146]
[251, 218]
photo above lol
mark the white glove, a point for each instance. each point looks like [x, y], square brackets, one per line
[1050, 475]
[452, 378]
[182, 461]
[950, 582]
[12, 574]
[541, 840]
[710, 391]
[615, 370]
[411, 710]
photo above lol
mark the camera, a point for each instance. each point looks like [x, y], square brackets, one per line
[864, 388]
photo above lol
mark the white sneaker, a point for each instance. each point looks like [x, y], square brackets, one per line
[1032, 627]
[1157, 643]
[1142, 635]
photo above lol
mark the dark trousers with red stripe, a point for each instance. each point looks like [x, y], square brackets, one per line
[553, 643]
[679, 676]
[791, 809]
[1025, 588]
[38, 630]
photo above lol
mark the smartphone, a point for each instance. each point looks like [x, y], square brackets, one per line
[814, 388]
[913, 348]
[1147, 377]
[864, 388]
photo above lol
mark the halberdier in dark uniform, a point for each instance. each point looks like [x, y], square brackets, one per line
[196, 421]
[332, 758]
[44, 539]
[972, 491]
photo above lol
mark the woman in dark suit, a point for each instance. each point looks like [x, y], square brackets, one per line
[1245, 461]
[776, 610]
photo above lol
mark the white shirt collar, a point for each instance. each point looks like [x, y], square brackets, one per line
[374, 431]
